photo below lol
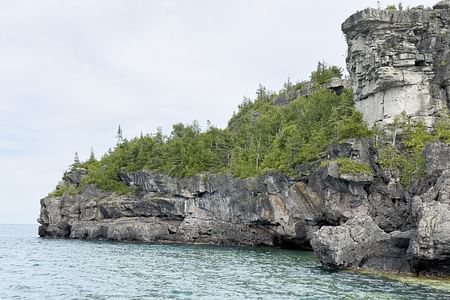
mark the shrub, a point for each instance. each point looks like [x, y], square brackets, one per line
[443, 129]
[65, 188]
[350, 166]
[391, 7]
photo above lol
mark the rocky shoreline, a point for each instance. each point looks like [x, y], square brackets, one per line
[398, 62]
[350, 221]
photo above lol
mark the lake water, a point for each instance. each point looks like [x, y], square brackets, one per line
[35, 268]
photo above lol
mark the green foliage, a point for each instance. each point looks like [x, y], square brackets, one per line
[352, 126]
[350, 166]
[76, 161]
[407, 163]
[416, 136]
[443, 129]
[65, 188]
[260, 136]
[391, 7]
[324, 73]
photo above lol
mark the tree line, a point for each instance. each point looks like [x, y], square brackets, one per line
[259, 137]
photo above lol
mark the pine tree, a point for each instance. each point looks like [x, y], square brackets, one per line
[92, 155]
[119, 135]
[76, 159]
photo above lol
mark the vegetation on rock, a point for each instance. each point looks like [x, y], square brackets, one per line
[262, 136]
[259, 137]
[400, 147]
[350, 166]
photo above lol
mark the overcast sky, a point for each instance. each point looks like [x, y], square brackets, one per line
[72, 71]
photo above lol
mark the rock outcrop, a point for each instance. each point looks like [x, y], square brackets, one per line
[411, 235]
[399, 62]
[349, 220]
[212, 208]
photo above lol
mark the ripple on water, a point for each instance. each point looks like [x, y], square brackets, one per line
[33, 268]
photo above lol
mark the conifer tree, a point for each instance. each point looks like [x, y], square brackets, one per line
[76, 159]
[92, 155]
[119, 135]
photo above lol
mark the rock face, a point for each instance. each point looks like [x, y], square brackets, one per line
[219, 209]
[401, 230]
[438, 155]
[349, 220]
[399, 61]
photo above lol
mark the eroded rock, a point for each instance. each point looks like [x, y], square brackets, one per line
[398, 62]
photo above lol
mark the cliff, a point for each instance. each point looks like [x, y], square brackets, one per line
[352, 218]
[351, 221]
[399, 61]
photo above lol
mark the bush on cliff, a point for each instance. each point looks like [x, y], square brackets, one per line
[350, 166]
[401, 148]
[324, 73]
[443, 129]
[259, 137]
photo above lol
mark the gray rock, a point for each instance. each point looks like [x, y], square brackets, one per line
[445, 4]
[74, 176]
[281, 100]
[209, 208]
[398, 61]
[350, 221]
[437, 156]
[348, 245]
[360, 243]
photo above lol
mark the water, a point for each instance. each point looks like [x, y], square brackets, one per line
[34, 268]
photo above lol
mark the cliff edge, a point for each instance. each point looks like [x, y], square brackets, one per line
[398, 61]
[380, 202]
[349, 220]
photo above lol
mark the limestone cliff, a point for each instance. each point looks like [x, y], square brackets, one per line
[350, 221]
[399, 61]
[212, 208]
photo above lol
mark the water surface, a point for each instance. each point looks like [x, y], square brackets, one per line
[35, 268]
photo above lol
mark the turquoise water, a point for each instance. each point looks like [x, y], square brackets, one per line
[35, 268]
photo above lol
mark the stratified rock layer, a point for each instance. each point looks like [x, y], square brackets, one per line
[399, 62]
[350, 221]
[219, 209]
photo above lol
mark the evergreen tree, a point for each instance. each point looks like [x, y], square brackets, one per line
[119, 135]
[92, 155]
[260, 136]
[76, 159]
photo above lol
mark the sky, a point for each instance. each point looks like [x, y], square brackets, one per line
[72, 71]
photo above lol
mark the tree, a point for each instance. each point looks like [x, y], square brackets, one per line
[76, 161]
[92, 155]
[324, 73]
[119, 135]
[391, 7]
[287, 86]
[352, 126]
[260, 136]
